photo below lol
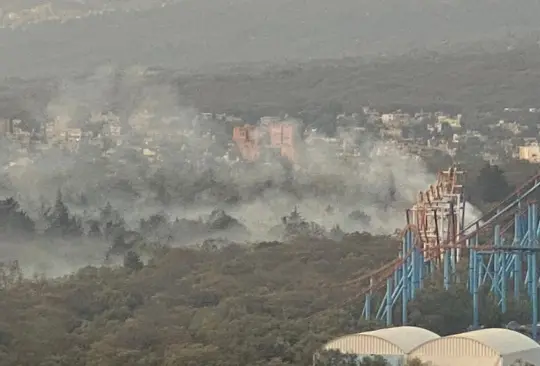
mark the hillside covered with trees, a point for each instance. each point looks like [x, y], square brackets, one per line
[271, 303]
[266, 304]
[471, 81]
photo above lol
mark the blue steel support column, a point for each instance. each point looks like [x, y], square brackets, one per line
[496, 255]
[389, 301]
[476, 261]
[421, 267]
[530, 240]
[530, 265]
[446, 268]
[475, 289]
[397, 271]
[480, 267]
[534, 276]
[504, 284]
[518, 276]
[405, 278]
[414, 267]
[368, 300]
[470, 265]
[534, 298]
[431, 265]
[404, 300]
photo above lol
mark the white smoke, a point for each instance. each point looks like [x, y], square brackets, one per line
[379, 181]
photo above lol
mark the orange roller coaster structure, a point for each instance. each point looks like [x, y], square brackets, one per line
[439, 212]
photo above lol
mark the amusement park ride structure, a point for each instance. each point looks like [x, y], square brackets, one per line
[498, 251]
[439, 214]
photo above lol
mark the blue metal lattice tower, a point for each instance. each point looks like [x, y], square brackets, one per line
[505, 263]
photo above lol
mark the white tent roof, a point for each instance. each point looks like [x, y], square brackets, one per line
[397, 340]
[406, 338]
[503, 341]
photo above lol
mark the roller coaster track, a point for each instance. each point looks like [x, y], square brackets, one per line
[499, 250]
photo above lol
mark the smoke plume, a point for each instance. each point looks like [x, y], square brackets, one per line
[169, 160]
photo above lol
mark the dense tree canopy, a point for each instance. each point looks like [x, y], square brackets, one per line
[473, 80]
[248, 305]
[262, 304]
[493, 184]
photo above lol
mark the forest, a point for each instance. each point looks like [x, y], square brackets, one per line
[266, 304]
[471, 81]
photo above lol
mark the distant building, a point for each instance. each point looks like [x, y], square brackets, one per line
[393, 344]
[6, 126]
[233, 119]
[284, 136]
[530, 153]
[391, 133]
[275, 138]
[150, 153]
[511, 109]
[206, 116]
[480, 347]
[395, 119]
[141, 121]
[112, 129]
[513, 127]
[70, 138]
[491, 157]
[247, 141]
[453, 122]
[72, 134]
[50, 130]
[265, 121]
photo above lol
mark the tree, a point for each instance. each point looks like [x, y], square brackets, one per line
[336, 358]
[94, 230]
[522, 363]
[59, 220]
[159, 185]
[59, 216]
[106, 213]
[323, 117]
[416, 362]
[492, 184]
[374, 361]
[13, 219]
[10, 274]
[406, 132]
[112, 224]
[132, 261]
[446, 131]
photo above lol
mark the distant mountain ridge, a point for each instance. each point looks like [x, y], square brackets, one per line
[24, 13]
[196, 34]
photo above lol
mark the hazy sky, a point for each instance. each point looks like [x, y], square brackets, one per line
[197, 33]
